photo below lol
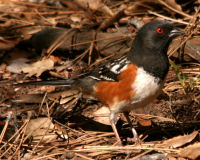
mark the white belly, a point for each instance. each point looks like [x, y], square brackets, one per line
[145, 86]
[146, 89]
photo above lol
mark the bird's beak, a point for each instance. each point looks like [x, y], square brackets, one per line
[175, 32]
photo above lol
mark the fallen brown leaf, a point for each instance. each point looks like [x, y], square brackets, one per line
[102, 115]
[7, 44]
[191, 151]
[92, 4]
[95, 5]
[174, 5]
[144, 122]
[41, 129]
[179, 140]
[38, 67]
[16, 65]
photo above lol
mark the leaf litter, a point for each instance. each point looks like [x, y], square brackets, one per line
[62, 39]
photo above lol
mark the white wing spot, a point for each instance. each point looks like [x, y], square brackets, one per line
[94, 78]
[114, 68]
[106, 78]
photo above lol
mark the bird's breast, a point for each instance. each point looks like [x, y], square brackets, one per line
[145, 86]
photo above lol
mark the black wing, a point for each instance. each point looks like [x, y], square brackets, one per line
[110, 70]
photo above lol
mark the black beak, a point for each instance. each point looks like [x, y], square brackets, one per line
[175, 32]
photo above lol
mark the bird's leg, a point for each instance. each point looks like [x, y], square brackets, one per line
[113, 124]
[135, 135]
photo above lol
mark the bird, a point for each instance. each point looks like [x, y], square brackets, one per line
[132, 80]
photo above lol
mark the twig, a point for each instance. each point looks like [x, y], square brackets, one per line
[175, 10]
[59, 41]
[111, 20]
[192, 30]
[18, 132]
[36, 5]
[140, 155]
[90, 53]
[47, 156]
[22, 138]
[168, 18]
[81, 56]
[5, 126]
[127, 148]
[82, 156]
[91, 49]
[16, 139]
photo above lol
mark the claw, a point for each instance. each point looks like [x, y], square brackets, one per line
[136, 138]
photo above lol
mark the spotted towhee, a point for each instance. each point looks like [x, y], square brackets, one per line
[133, 80]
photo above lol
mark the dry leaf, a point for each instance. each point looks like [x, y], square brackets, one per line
[16, 65]
[3, 68]
[55, 59]
[7, 44]
[38, 67]
[191, 151]
[92, 4]
[95, 5]
[173, 4]
[154, 156]
[192, 48]
[102, 115]
[41, 128]
[144, 122]
[30, 98]
[68, 95]
[179, 140]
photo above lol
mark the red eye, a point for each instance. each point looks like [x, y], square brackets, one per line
[159, 30]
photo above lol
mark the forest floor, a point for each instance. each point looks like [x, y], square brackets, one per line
[49, 40]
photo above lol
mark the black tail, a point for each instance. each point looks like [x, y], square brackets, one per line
[62, 82]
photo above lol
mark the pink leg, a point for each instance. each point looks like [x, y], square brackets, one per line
[135, 135]
[113, 124]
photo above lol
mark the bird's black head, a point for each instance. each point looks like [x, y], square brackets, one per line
[149, 49]
[157, 35]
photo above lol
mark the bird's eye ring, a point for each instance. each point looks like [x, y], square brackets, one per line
[160, 30]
